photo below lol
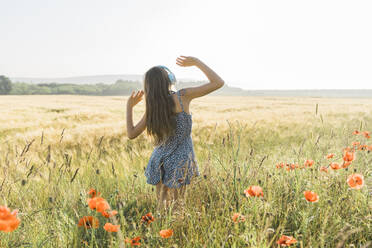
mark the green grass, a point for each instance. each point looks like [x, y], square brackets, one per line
[230, 160]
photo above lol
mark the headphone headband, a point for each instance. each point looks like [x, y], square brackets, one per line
[171, 76]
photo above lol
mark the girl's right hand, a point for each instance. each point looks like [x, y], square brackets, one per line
[187, 61]
[135, 98]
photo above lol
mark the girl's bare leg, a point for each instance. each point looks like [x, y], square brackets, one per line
[162, 193]
[178, 198]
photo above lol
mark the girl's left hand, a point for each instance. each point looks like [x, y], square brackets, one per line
[135, 98]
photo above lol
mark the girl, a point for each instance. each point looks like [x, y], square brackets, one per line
[167, 119]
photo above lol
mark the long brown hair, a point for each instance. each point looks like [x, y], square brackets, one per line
[160, 115]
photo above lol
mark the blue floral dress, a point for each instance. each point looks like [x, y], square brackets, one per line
[173, 163]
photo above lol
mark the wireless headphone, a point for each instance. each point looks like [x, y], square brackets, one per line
[171, 75]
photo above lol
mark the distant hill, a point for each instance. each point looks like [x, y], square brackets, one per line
[339, 93]
[106, 79]
[134, 82]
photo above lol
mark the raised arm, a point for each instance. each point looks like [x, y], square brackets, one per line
[215, 82]
[134, 131]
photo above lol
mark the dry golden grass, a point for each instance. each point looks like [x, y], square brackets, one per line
[82, 117]
[55, 148]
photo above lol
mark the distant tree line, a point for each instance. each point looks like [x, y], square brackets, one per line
[120, 87]
[5, 85]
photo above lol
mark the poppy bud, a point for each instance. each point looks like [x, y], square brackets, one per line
[346, 169]
[152, 189]
[205, 176]
[144, 168]
[50, 199]
[238, 179]
[269, 175]
[97, 171]
[355, 170]
[135, 175]
[259, 181]
[23, 182]
[329, 202]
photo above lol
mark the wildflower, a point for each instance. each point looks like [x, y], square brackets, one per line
[166, 233]
[355, 181]
[348, 156]
[363, 147]
[292, 166]
[98, 203]
[237, 217]
[355, 143]
[111, 228]
[109, 214]
[309, 163]
[346, 164]
[89, 222]
[366, 134]
[8, 220]
[148, 218]
[324, 169]
[356, 132]
[93, 193]
[134, 241]
[331, 155]
[311, 196]
[280, 165]
[253, 191]
[102, 206]
[286, 240]
[335, 166]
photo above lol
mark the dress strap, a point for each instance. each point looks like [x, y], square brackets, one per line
[179, 98]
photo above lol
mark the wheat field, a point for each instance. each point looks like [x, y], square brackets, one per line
[54, 149]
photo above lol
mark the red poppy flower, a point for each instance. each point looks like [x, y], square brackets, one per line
[346, 164]
[237, 217]
[366, 134]
[309, 162]
[109, 214]
[324, 169]
[166, 233]
[348, 156]
[286, 240]
[356, 132]
[291, 166]
[111, 228]
[8, 220]
[355, 181]
[355, 143]
[335, 166]
[363, 147]
[148, 218]
[311, 196]
[134, 241]
[89, 222]
[280, 165]
[98, 203]
[254, 191]
[102, 206]
[331, 155]
[93, 193]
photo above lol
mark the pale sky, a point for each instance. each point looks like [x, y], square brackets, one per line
[317, 44]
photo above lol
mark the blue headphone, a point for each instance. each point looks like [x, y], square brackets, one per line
[171, 76]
